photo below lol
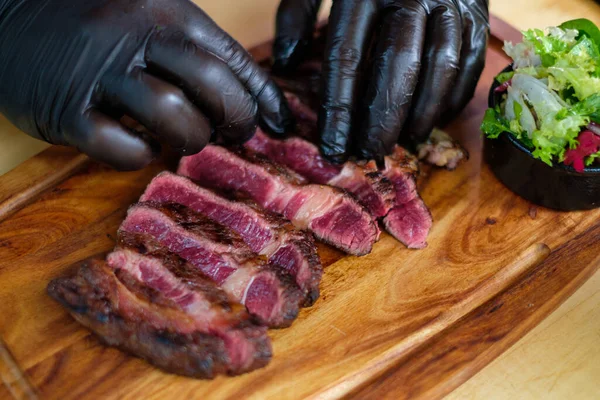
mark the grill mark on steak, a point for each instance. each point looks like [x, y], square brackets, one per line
[333, 216]
[165, 336]
[286, 248]
[141, 246]
[221, 256]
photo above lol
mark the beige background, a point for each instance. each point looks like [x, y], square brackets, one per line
[559, 359]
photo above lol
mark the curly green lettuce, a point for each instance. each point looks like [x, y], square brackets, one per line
[553, 92]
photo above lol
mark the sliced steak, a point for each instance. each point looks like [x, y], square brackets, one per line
[363, 181]
[218, 253]
[163, 335]
[330, 214]
[409, 221]
[391, 194]
[287, 248]
[189, 290]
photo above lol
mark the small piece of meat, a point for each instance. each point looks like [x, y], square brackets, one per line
[287, 248]
[402, 168]
[410, 220]
[333, 216]
[410, 223]
[442, 151]
[368, 186]
[165, 336]
[219, 254]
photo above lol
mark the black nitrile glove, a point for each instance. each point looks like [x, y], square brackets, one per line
[392, 68]
[71, 68]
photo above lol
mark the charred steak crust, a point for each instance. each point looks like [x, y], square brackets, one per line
[186, 273]
[201, 225]
[267, 294]
[96, 298]
[289, 250]
[332, 215]
[206, 304]
[299, 257]
[269, 166]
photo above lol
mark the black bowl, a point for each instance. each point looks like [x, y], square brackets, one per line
[559, 187]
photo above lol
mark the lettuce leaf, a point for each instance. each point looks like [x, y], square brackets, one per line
[592, 159]
[580, 81]
[558, 125]
[494, 123]
[557, 81]
[504, 76]
[590, 107]
[547, 46]
[584, 27]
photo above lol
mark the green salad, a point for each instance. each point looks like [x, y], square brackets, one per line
[551, 98]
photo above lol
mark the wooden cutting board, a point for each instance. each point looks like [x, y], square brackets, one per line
[395, 324]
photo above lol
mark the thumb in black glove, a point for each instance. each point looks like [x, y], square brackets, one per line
[71, 69]
[392, 68]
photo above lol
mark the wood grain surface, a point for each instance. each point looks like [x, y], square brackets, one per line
[395, 323]
[492, 328]
[30, 179]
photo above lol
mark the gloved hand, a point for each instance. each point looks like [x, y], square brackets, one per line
[70, 70]
[392, 68]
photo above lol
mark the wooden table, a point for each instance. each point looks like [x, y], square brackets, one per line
[558, 358]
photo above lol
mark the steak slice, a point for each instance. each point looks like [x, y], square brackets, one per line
[187, 289]
[391, 194]
[287, 248]
[409, 220]
[369, 186]
[219, 254]
[330, 214]
[163, 335]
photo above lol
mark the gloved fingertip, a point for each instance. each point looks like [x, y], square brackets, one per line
[288, 53]
[368, 155]
[333, 154]
[155, 147]
[374, 145]
[278, 126]
[280, 123]
[419, 136]
[213, 136]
